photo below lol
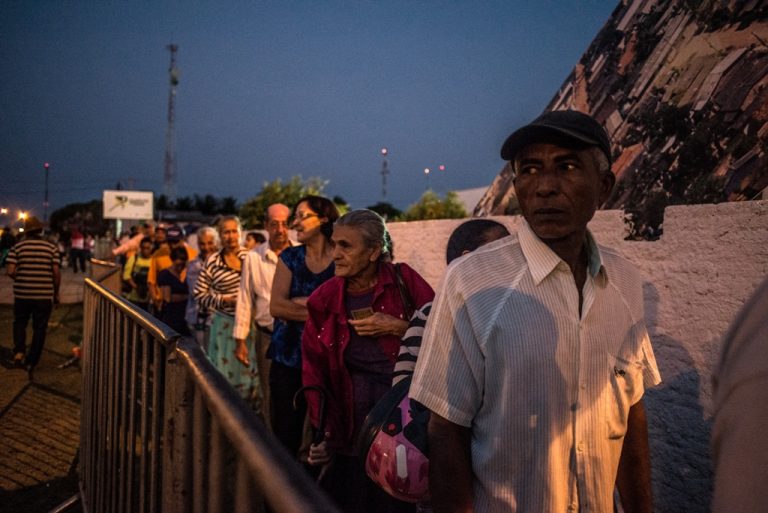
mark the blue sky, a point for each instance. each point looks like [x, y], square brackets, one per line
[274, 89]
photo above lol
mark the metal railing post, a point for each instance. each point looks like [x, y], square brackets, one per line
[178, 491]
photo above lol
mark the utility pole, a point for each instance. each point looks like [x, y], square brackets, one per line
[169, 175]
[384, 173]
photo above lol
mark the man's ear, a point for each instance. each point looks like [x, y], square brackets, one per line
[607, 181]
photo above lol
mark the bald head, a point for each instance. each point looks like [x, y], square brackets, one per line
[277, 226]
[277, 210]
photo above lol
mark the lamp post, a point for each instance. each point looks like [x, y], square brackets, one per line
[46, 166]
[384, 172]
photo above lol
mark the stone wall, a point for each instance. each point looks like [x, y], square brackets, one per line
[697, 276]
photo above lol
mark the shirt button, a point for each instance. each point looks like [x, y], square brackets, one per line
[580, 447]
[583, 386]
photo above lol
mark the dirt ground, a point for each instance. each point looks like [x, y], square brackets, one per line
[40, 419]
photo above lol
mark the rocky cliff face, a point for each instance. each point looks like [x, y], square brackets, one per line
[682, 87]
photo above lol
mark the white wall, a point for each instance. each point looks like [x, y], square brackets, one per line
[697, 276]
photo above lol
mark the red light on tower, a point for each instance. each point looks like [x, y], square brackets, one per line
[442, 167]
[46, 165]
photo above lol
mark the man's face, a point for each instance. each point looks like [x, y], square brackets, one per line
[206, 244]
[146, 249]
[277, 228]
[230, 235]
[350, 254]
[559, 189]
[159, 235]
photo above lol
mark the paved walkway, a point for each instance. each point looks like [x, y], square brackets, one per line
[71, 287]
[40, 419]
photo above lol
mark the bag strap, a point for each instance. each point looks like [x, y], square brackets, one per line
[405, 294]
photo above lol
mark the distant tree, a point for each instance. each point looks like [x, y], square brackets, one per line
[207, 205]
[341, 204]
[184, 203]
[87, 216]
[386, 210]
[228, 205]
[430, 206]
[163, 203]
[252, 211]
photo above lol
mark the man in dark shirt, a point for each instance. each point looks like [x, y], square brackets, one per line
[33, 264]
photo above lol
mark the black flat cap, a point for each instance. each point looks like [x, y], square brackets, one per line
[558, 127]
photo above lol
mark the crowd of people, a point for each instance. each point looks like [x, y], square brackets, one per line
[257, 314]
[531, 362]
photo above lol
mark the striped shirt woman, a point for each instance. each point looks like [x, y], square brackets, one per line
[218, 281]
[216, 290]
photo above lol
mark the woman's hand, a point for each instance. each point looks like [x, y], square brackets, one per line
[379, 324]
[319, 454]
[241, 352]
[230, 299]
[300, 300]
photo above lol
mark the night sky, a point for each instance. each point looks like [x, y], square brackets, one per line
[275, 89]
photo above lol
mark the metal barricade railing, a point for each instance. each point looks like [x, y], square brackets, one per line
[107, 274]
[122, 411]
[163, 431]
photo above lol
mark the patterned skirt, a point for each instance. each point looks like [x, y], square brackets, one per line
[221, 351]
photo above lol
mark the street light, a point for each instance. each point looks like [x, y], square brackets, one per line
[384, 172]
[22, 216]
[3, 211]
[46, 166]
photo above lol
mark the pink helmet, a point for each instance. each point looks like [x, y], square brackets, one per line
[393, 443]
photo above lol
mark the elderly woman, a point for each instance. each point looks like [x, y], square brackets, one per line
[216, 291]
[300, 270]
[349, 348]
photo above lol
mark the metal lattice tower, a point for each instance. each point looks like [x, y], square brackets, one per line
[169, 174]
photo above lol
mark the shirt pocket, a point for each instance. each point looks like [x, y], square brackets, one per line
[625, 387]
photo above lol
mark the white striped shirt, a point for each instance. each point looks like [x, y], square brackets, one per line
[545, 391]
[217, 280]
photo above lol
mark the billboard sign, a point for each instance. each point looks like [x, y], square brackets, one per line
[128, 205]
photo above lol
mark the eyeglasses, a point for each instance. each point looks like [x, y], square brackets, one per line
[303, 217]
[278, 224]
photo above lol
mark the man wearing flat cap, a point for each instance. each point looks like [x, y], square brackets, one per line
[536, 355]
[33, 264]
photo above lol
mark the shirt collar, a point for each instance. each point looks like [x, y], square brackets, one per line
[266, 252]
[542, 260]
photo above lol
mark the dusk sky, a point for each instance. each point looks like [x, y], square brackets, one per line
[275, 89]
